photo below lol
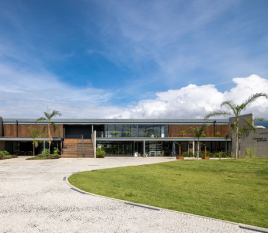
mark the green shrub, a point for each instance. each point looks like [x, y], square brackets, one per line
[46, 152]
[100, 153]
[56, 151]
[4, 153]
[250, 152]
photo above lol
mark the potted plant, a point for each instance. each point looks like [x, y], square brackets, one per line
[218, 134]
[115, 133]
[128, 134]
[205, 154]
[182, 133]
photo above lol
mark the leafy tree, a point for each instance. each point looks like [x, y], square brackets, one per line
[48, 117]
[235, 110]
[34, 133]
[198, 132]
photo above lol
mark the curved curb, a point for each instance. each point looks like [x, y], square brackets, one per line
[240, 225]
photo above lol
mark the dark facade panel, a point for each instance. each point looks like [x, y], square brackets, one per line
[1, 127]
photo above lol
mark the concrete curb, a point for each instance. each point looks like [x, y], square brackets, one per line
[240, 225]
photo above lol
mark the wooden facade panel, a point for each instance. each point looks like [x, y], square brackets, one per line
[211, 130]
[21, 131]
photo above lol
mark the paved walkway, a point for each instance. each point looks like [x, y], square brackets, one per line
[35, 198]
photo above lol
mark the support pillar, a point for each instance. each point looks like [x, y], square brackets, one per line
[191, 149]
[143, 148]
[44, 146]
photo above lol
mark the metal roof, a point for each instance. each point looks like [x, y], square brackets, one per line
[116, 121]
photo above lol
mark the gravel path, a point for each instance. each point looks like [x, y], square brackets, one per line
[35, 198]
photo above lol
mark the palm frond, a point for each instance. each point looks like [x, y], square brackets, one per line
[229, 133]
[55, 127]
[55, 113]
[43, 131]
[40, 119]
[198, 132]
[229, 104]
[217, 113]
[253, 98]
[47, 115]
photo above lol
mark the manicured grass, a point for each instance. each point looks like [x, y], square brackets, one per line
[233, 190]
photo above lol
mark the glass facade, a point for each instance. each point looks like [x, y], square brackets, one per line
[125, 130]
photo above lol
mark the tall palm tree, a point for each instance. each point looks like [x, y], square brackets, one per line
[48, 117]
[34, 133]
[235, 110]
[198, 132]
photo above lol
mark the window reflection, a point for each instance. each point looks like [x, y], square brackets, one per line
[126, 130]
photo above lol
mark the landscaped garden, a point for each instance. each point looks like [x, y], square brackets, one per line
[233, 190]
[5, 155]
[47, 155]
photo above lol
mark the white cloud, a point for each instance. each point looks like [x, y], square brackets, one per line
[25, 94]
[196, 101]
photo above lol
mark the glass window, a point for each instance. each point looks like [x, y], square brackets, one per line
[134, 131]
[111, 129]
[165, 130]
[149, 130]
[157, 130]
[126, 131]
[141, 130]
[106, 130]
[119, 129]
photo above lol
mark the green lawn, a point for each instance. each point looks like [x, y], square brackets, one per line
[233, 190]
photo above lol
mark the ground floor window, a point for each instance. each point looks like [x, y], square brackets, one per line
[26, 147]
[152, 148]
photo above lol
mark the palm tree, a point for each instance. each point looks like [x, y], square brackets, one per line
[48, 117]
[198, 133]
[235, 110]
[34, 134]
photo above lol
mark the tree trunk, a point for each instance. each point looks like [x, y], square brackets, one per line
[49, 138]
[198, 149]
[236, 139]
[33, 150]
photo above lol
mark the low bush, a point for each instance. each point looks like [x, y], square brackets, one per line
[5, 155]
[46, 155]
[250, 152]
[221, 154]
[42, 156]
[100, 153]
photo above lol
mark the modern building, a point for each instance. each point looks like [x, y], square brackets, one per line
[119, 137]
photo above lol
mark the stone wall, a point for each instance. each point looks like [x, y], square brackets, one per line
[258, 142]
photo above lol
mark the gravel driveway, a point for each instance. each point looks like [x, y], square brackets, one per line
[35, 198]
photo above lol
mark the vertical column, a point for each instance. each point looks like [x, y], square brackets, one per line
[143, 148]
[44, 146]
[189, 147]
[92, 129]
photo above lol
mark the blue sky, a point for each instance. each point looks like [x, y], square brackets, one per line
[108, 58]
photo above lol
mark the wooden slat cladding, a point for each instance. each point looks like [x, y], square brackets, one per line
[10, 131]
[22, 132]
[184, 130]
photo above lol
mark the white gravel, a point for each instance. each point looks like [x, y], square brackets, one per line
[35, 198]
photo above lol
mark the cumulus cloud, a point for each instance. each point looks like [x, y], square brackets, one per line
[26, 94]
[196, 101]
